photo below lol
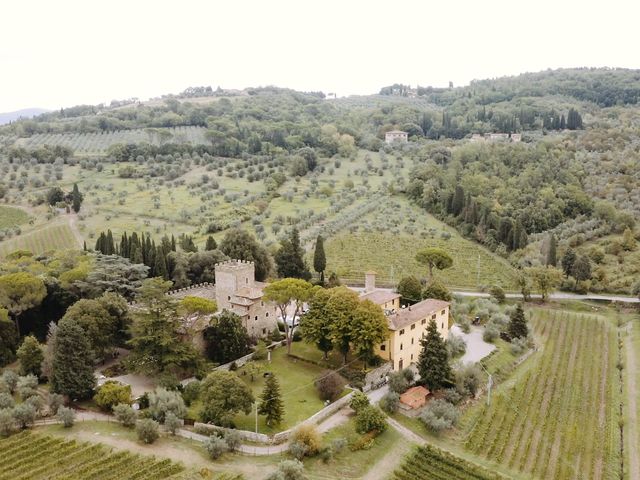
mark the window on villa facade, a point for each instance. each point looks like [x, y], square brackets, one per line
[424, 320]
[402, 332]
[400, 346]
[383, 347]
[433, 317]
[412, 356]
[442, 312]
[266, 314]
[413, 326]
[442, 325]
[411, 340]
[256, 317]
[229, 297]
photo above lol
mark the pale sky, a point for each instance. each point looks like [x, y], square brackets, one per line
[65, 52]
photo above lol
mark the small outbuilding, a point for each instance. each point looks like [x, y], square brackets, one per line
[396, 136]
[415, 397]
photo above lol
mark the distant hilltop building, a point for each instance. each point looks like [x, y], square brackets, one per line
[497, 137]
[406, 325]
[396, 136]
[239, 292]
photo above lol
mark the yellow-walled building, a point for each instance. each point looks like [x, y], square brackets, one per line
[406, 325]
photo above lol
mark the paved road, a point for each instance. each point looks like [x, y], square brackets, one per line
[552, 296]
[558, 296]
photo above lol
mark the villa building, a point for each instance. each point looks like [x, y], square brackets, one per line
[396, 136]
[406, 325]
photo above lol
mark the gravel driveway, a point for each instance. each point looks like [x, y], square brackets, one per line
[477, 348]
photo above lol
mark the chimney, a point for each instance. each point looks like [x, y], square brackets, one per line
[369, 281]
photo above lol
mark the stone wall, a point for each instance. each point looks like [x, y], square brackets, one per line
[203, 290]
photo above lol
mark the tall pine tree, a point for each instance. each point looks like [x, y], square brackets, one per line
[518, 324]
[433, 362]
[271, 402]
[290, 258]
[319, 258]
[72, 362]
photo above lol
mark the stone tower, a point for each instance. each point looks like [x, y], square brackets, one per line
[231, 276]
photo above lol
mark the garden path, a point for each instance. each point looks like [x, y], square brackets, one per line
[477, 348]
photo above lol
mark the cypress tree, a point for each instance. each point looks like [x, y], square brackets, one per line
[72, 362]
[76, 198]
[271, 402]
[518, 324]
[568, 260]
[211, 244]
[551, 251]
[319, 258]
[173, 243]
[433, 362]
[457, 205]
[562, 122]
[160, 264]
[110, 248]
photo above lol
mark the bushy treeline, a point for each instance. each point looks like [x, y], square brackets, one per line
[498, 194]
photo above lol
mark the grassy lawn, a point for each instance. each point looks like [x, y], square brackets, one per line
[299, 395]
[334, 359]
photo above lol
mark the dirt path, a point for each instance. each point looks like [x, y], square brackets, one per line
[72, 218]
[632, 405]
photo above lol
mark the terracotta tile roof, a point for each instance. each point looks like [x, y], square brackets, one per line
[241, 301]
[415, 397]
[379, 297]
[414, 313]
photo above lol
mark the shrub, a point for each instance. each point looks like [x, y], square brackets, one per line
[147, 430]
[439, 415]
[390, 402]
[27, 386]
[453, 395]
[358, 401]
[7, 422]
[456, 346]
[363, 442]
[163, 401]
[233, 439]
[297, 450]
[54, 401]
[464, 325]
[519, 346]
[329, 385]
[491, 333]
[409, 375]
[215, 447]
[172, 423]
[6, 401]
[398, 383]
[371, 419]
[338, 444]
[30, 356]
[111, 394]
[288, 470]
[308, 436]
[11, 379]
[498, 293]
[469, 379]
[67, 416]
[24, 415]
[191, 392]
[37, 402]
[260, 352]
[125, 414]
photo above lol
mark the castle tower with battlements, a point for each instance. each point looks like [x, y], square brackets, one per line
[238, 291]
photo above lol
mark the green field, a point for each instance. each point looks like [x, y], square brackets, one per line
[387, 240]
[30, 456]
[430, 463]
[54, 237]
[557, 417]
[11, 217]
